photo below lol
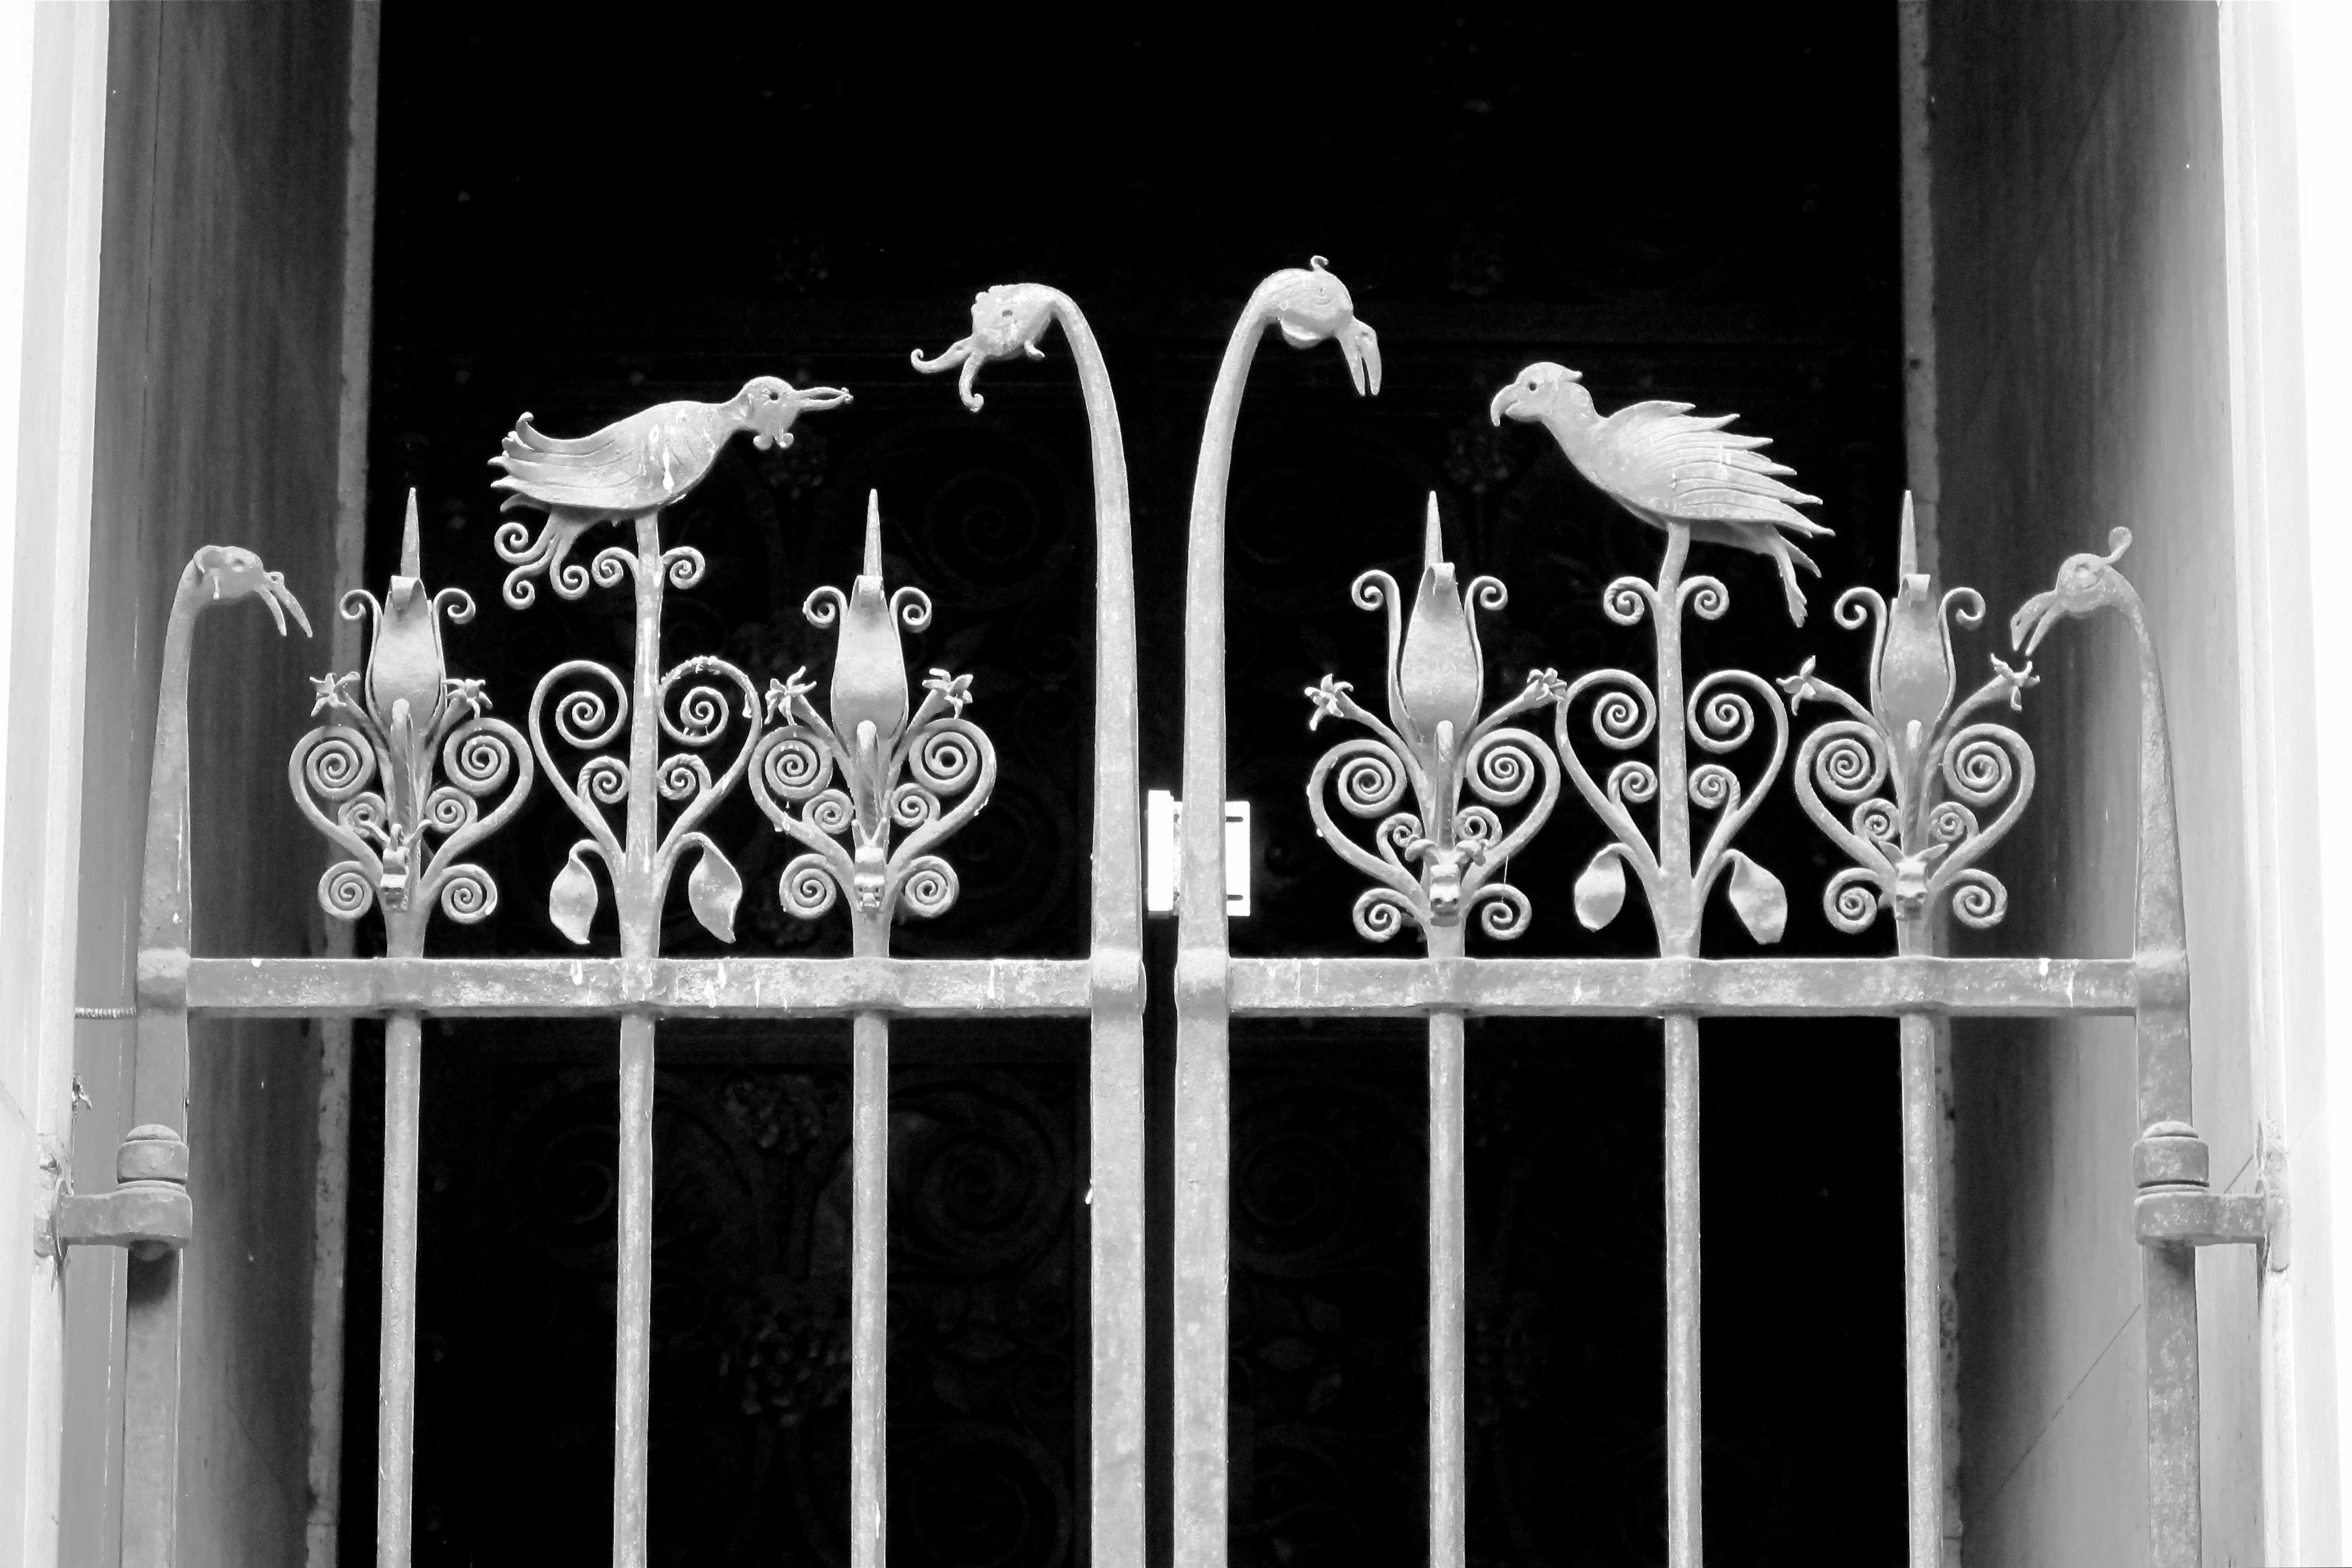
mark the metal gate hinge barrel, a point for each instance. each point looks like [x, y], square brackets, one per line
[2171, 1166]
[149, 1212]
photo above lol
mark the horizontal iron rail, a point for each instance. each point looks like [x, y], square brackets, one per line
[1263, 987]
[1747, 987]
[666, 988]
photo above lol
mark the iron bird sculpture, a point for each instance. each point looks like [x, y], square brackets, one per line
[632, 467]
[1673, 470]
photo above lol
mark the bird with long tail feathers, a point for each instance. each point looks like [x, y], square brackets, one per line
[632, 466]
[1672, 470]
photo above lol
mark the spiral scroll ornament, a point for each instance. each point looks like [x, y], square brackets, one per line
[1439, 862]
[409, 773]
[869, 813]
[580, 715]
[1724, 715]
[1913, 786]
[868, 790]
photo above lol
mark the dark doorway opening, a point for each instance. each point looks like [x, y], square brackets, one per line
[579, 222]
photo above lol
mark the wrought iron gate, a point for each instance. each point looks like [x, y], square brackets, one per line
[1915, 783]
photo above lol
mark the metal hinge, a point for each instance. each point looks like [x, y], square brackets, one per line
[2176, 1204]
[148, 1211]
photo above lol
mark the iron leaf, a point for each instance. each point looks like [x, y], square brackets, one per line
[572, 901]
[1600, 890]
[1757, 898]
[714, 889]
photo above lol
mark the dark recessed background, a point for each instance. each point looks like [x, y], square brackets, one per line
[579, 219]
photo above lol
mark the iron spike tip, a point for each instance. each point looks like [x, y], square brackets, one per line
[1433, 545]
[411, 562]
[873, 535]
[1906, 562]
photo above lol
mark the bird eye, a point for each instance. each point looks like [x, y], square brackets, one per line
[773, 395]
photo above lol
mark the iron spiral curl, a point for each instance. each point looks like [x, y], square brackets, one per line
[1851, 900]
[336, 764]
[468, 895]
[807, 887]
[347, 890]
[927, 887]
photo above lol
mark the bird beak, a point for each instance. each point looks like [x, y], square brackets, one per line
[279, 594]
[1505, 401]
[1362, 346]
[2033, 618]
[821, 397]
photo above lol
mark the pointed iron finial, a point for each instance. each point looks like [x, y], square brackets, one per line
[873, 536]
[411, 561]
[1906, 560]
[1433, 547]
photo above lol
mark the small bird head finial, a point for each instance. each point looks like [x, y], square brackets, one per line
[229, 572]
[767, 405]
[1541, 389]
[1310, 305]
[1007, 320]
[2087, 582]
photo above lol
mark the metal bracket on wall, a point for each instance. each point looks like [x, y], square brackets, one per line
[2177, 1206]
[148, 1212]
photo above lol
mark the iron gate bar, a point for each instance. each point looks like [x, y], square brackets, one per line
[1007, 320]
[1311, 306]
[154, 1157]
[380, 760]
[1943, 765]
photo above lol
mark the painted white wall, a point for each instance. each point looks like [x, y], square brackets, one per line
[2319, 1068]
[52, 157]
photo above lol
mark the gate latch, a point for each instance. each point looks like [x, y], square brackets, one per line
[1163, 815]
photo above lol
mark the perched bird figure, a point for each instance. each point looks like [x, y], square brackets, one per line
[1672, 470]
[631, 468]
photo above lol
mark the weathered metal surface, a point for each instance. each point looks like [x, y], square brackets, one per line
[2086, 584]
[1007, 320]
[1718, 987]
[1685, 477]
[1309, 305]
[408, 772]
[665, 988]
[395, 1415]
[371, 779]
[148, 1210]
[625, 474]
[1434, 745]
[1675, 473]
[912, 780]
[1915, 769]
[1048, 988]
[906, 782]
[379, 761]
[216, 575]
